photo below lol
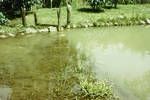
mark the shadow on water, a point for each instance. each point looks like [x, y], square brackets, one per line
[34, 68]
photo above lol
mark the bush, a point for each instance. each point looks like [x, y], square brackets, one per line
[3, 19]
[96, 4]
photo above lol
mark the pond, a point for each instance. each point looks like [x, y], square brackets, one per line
[34, 67]
[37, 66]
[120, 55]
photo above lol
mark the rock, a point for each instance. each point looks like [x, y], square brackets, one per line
[68, 26]
[52, 29]
[90, 24]
[116, 24]
[121, 17]
[3, 36]
[84, 25]
[110, 23]
[142, 22]
[43, 30]
[74, 26]
[107, 24]
[2, 31]
[148, 21]
[61, 28]
[30, 30]
[102, 24]
[22, 33]
[11, 34]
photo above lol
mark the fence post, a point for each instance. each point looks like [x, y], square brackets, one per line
[51, 3]
[23, 15]
[35, 18]
[58, 17]
[69, 8]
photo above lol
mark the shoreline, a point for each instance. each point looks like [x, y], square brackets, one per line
[120, 21]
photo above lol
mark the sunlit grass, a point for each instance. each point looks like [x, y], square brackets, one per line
[49, 16]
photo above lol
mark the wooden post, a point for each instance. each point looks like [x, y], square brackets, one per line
[23, 15]
[35, 18]
[58, 16]
[51, 3]
[69, 8]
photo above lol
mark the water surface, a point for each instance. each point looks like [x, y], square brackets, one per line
[120, 55]
[33, 67]
[37, 66]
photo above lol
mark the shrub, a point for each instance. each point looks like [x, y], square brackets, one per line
[96, 4]
[3, 19]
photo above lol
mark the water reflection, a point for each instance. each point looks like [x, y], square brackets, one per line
[120, 55]
[34, 67]
[119, 61]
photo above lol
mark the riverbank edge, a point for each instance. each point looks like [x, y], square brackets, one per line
[120, 21]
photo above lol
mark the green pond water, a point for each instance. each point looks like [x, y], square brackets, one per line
[35, 67]
[120, 55]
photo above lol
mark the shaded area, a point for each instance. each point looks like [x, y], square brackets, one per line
[90, 10]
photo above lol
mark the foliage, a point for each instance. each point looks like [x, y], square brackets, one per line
[97, 90]
[133, 1]
[55, 3]
[12, 7]
[96, 4]
[3, 19]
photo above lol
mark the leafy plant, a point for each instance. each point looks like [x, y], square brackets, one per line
[3, 19]
[96, 4]
[96, 90]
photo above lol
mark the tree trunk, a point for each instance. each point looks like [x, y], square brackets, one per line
[69, 8]
[23, 15]
[51, 3]
[58, 17]
[35, 18]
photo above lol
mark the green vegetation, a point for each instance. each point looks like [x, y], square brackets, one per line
[96, 4]
[3, 19]
[124, 15]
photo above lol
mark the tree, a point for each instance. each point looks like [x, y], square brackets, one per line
[114, 3]
[69, 8]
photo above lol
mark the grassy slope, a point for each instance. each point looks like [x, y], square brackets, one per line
[49, 16]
